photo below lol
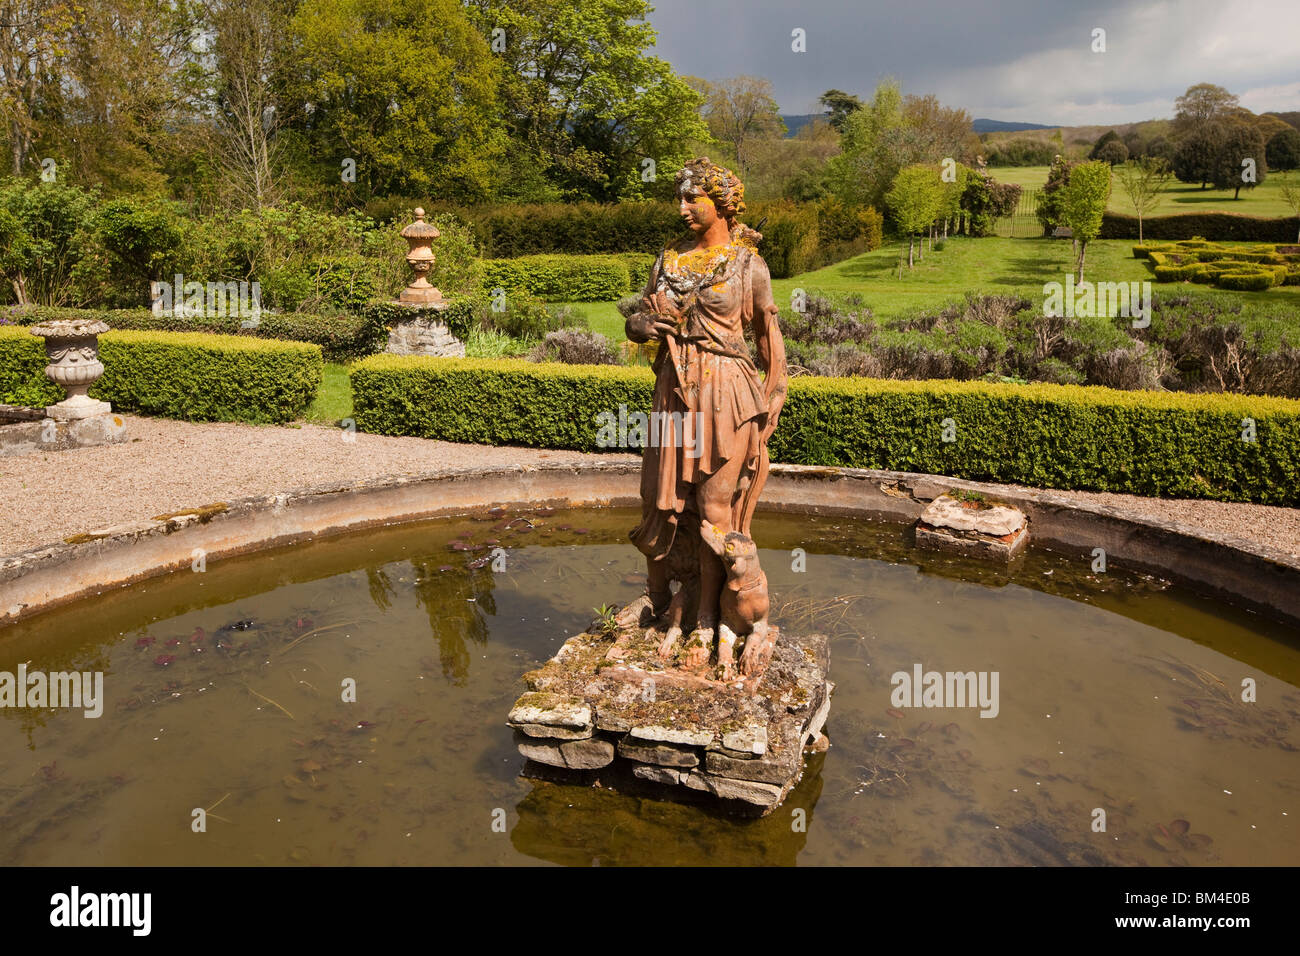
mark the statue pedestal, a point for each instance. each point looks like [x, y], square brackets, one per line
[606, 702]
[422, 332]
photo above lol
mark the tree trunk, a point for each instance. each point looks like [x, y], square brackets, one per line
[20, 290]
[1139, 228]
[910, 260]
[1236, 193]
[1083, 250]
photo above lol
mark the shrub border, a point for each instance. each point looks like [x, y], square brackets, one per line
[1038, 435]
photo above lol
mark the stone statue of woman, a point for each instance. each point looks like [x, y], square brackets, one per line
[716, 408]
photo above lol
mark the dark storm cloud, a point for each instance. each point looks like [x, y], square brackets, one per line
[1023, 60]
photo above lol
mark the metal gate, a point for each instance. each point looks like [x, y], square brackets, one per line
[1023, 223]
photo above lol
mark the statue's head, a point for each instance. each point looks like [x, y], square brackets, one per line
[707, 192]
[738, 552]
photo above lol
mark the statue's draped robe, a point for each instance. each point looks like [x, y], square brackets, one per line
[705, 367]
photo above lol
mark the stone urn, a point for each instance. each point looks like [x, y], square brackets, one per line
[420, 235]
[72, 348]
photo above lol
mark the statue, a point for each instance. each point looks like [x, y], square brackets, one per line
[715, 409]
[689, 690]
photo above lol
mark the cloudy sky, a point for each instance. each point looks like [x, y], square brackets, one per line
[1025, 60]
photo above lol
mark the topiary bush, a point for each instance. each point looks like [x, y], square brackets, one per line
[1051, 436]
[187, 375]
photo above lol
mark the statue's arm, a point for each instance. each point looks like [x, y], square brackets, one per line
[770, 344]
[646, 323]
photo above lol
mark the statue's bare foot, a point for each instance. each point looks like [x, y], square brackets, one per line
[641, 612]
[758, 650]
[726, 653]
[699, 648]
[668, 646]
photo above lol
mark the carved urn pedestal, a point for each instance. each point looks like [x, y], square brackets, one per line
[421, 331]
[79, 421]
[72, 348]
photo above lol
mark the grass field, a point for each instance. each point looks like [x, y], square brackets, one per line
[1264, 200]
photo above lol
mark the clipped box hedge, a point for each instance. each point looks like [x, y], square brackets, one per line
[561, 278]
[341, 337]
[1047, 436]
[188, 375]
[1222, 226]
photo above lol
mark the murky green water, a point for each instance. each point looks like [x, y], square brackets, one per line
[223, 691]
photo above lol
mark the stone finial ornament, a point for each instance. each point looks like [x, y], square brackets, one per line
[420, 236]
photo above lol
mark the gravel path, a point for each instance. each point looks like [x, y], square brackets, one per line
[168, 466]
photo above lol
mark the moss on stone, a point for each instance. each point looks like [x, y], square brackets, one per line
[205, 513]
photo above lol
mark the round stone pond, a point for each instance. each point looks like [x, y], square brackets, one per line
[1118, 734]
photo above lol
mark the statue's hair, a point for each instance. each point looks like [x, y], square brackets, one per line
[722, 186]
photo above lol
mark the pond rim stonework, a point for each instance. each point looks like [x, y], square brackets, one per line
[1224, 566]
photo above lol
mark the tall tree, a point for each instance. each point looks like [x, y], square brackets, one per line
[889, 133]
[413, 104]
[838, 105]
[585, 103]
[1143, 181]
[136, 81]
[741, 110]
[1283, 150]
[915, 199]
[249, 39]
[1239, 160]
[1200, 106]
[1196, 154]
[33, 50]
[1084, 204]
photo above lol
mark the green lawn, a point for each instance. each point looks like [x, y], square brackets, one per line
[982, 265]
[1264, 200]
[603, 317]
[964, 265]
[334, 399]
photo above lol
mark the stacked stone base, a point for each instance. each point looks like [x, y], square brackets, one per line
[27, 430]
[606, 712]
[423, 333]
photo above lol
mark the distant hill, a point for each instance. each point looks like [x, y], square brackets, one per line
[797, 121]
[999, 126]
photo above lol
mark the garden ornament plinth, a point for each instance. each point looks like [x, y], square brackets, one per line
[72, 348]
[699, 640]
[420, 235]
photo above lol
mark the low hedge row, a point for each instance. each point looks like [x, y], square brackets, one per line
[188, 375]
[1052, 436]
[1222, 226]
[341, 337]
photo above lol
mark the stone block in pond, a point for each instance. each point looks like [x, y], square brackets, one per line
[973, 527]
[609, 711]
